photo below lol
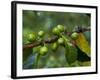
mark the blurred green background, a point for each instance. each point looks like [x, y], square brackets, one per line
[34, 21]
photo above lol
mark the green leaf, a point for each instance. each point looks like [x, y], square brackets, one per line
[82, 57]
[83, 44]
[70, 54]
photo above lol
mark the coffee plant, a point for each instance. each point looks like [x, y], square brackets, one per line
[57, 46]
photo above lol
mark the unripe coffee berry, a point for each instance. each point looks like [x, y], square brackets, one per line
[74, 35]
[43, 50]
[70, 44]
[56, 31]
[61, 28]
[60, 40]
[54, 46]
[41, 33]
[31, 37]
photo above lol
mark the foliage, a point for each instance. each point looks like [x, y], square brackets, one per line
[82, 43]
[64, 48]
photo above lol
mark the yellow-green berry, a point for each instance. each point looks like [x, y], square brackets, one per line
[31, 37]
[54, 46]
[61, 28]
[60, 40]
[69, 44]
[41, 33]
[74, 35]
[56, 31]
[43, 50]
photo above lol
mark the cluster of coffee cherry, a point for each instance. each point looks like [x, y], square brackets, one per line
[57, 31]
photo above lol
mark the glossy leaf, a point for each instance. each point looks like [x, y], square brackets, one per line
[83, 44]
[82, 57]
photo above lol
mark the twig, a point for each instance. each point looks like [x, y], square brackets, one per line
[34, 44]
[53, 39]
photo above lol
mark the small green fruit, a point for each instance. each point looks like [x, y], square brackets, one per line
[31, 37]
[54, 46]
[41, 33]
[43, 50]
[70, 44]
[60, 40]
[61, 28]
[74, 35]
[56, 31]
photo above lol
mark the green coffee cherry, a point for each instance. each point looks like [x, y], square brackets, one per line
[41, 33]
[70, 44]
[74, 35]
[54, 46]
[61, 41]
[61, 28]
[31, 37]
[56, 31]
[43, 50]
